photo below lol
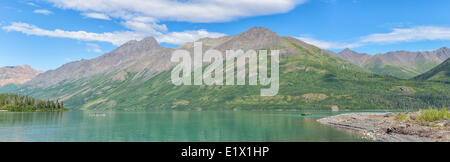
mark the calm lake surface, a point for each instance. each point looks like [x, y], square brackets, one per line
[174, 126]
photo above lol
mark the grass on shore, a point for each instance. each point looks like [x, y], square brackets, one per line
[425, 116]
[402, 117]
[430, 115]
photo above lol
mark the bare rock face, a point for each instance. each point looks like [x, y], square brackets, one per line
[314, 97]
[334, 108]
[17, 74]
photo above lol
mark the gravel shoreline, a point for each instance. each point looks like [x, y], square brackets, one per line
[383, 127]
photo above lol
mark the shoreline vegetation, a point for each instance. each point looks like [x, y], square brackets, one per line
[430, 125]
[19, 103]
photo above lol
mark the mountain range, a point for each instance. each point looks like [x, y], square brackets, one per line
[401, 64]
[137, 76]
[17, 74]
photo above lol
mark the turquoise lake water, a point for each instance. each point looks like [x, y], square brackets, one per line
[170, 126]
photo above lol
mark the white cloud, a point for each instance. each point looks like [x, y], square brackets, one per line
[328, 44]
[151, 28]
[418, 33]
[187, 36]
[94, 15]
[142, 17]
[42, 11]
[32, 4]
[398, 35]
[191, 11]
[116, 38]
[94, 48]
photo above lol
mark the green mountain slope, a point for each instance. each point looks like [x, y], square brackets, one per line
[439, 73]
[310, 78]
[398, 70]
[401, 64]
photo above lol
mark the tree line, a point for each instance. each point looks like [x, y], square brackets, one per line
[14, 102]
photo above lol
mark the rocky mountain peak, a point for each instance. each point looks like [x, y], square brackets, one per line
[25, 67]
[254, 38]
[347, 51]
[17, 74]
[443, 53]
[444, 50]
[259, 32]
[147, 43]
[150, 41]
[352, 56]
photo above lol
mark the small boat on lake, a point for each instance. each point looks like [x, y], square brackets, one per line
[306, 114]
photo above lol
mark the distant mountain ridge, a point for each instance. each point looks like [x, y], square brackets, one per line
[17, 74]
[137, 76]
[401, 64]
[145, 56]
[439, 73]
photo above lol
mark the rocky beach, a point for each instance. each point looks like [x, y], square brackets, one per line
[388, 127]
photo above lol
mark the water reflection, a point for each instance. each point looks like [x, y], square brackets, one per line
[167, 126]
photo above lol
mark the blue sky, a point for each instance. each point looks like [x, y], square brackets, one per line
[49, 33]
